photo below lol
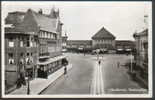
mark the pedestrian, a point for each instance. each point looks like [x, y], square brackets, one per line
[118, 64]
[22, 79]
[99, 62]
[65, 70]
[19, 84]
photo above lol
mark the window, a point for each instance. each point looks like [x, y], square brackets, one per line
[11, 43]
[22, 54]
[27, 54]
[21, 43]
[51, 35]
[34, 43]
[31, 44]
[11, 60]
[28, 42]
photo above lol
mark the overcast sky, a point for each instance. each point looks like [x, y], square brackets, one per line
[83, 19]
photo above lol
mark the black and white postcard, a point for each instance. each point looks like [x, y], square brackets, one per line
[66, 49]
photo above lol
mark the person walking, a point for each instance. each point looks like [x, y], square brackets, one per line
[65, 71]
[99, 62]
[118, 64]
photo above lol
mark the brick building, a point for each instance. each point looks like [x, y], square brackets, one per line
[32, 45]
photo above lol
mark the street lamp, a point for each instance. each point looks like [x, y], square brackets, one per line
[28, 84]
[28, 78]
[131, 62]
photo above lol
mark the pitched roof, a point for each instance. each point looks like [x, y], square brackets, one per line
[141, 33]
[14, 17]
[103, 34]
[34, 22]
[45, 23]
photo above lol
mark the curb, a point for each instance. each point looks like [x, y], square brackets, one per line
[53, 81]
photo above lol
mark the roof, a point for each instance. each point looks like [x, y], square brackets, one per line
[45, 23]
[103, 34]
[14, 17]
[17, 12]
[79, 42]
[141, 33]
[33, 22]
[50, 60]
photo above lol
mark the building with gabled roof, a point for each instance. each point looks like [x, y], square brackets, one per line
[15, 18]
[103, 39]
[33, 46]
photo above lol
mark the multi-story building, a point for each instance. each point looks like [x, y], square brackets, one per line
[141, 57]
[33, 46]
[103, 39]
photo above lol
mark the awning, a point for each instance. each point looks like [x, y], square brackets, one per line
[50, 60]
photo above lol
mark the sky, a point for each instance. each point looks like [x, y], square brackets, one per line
[83, 19]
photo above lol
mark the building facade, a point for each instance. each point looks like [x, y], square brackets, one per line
[141, 56]
[33, 46]
[79, 45]
[64, 43]
[103, 39]
[125, 46]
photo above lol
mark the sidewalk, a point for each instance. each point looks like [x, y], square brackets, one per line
[39, 84]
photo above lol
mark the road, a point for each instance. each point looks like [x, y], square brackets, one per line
[88, 77]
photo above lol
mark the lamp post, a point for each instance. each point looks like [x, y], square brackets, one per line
[28, 84]
[28, 78]
[131, 62]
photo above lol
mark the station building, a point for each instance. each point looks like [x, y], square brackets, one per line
[103, 39]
